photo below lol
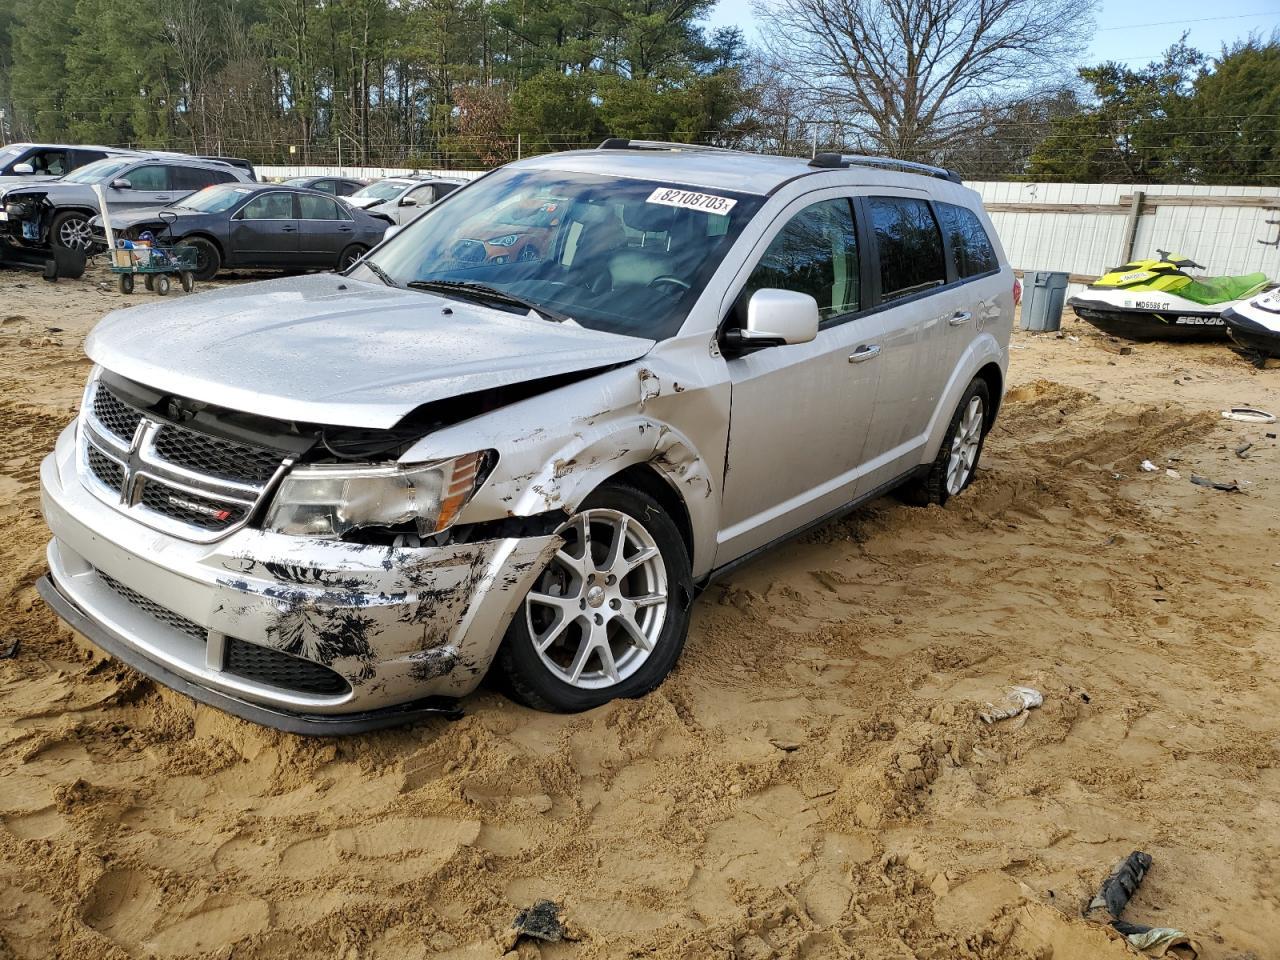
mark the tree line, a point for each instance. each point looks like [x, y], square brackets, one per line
[984, 86]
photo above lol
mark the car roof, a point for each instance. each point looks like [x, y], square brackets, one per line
[123, 151]
[738, 171]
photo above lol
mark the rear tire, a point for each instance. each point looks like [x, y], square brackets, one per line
[188, 281]
[350, 255]
[208, 259]
[957, 462]
[595, 608]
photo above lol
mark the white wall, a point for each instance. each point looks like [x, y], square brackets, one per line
[1223, 238]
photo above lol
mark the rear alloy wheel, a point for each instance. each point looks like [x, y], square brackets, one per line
[350, 256]
[957, 460]
[608, 616]
[208, 260]
[70, 231]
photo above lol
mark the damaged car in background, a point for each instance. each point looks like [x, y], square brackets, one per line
[332, 503]
[254, 226]
[53, 215]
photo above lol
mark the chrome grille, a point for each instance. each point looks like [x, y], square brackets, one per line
[217, 457]
[154, 610]
[275, 668]
[170, 476]
[114, 414]
[105, 469]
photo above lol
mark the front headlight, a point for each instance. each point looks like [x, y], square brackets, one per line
[509, 240]
[330, 500]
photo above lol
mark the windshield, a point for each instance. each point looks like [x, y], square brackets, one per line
[97, 171]
[215, 199]
[625, 256]
[383, 190]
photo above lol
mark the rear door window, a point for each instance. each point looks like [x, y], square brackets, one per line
[269, 206]
[815, 253]
[971, 249]
[909, 244]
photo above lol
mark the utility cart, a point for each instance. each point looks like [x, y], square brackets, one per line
[155, 262]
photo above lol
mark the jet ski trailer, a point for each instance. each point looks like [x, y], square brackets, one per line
[1255, 326]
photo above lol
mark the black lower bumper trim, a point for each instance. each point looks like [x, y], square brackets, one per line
[308, 724]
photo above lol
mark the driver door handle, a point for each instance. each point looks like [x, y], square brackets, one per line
[864, 353]
[959, 317]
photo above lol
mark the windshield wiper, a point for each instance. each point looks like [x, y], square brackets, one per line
[483, 292]
[378, 272]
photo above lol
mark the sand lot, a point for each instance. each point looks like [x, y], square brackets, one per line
[813, 781]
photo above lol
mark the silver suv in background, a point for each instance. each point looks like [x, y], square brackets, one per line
[402, 199]
[55, 214]
[331, 503]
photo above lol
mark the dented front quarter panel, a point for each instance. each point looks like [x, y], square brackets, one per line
[668, 410]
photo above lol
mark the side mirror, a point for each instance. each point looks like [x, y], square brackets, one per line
[23, 169]
[391, 231]
[121, 183]
[409, 202]
[775, 318]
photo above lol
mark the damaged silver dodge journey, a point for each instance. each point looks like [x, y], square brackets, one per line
[524, 430]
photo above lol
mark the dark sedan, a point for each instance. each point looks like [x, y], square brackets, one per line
[335, 186]
[256, 226]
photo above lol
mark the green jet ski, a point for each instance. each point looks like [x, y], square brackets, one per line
[1159, 300]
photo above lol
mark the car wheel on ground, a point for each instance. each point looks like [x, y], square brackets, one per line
[957, 462]
[350, 255]
[607, 618]
[208, 259]
[70, 231]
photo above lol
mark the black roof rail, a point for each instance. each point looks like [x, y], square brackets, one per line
[833, 161]
[622, 143]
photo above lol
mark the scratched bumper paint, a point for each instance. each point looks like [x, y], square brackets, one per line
[396, 624]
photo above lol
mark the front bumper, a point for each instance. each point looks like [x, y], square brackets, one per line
[397, 626]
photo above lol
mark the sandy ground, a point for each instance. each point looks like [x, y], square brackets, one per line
[813, 781]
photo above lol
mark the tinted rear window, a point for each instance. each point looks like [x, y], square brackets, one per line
[910, 246]
[970, 246]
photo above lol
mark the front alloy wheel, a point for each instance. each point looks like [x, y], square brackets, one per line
[73, 233]
[607, 616]
[596, 613]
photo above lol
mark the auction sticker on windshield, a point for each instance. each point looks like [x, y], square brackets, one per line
[688, 200]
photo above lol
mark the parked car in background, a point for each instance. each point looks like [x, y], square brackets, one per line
[403, 199]
[330, 503]
[55, 214]
[28, 162]
[255, 226]
[334, 186]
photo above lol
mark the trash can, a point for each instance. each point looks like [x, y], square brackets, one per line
[1042, 300]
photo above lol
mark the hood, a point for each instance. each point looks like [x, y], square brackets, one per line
[362, 203]
[333, 350]
[13, 181]
[123, 219]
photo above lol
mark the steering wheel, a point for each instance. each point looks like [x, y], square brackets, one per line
[667, 278]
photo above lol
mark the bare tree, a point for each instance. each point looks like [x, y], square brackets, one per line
[909, 76]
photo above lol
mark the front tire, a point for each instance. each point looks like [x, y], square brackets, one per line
[957, 462]
[208, 259]
[608, 616]
[349, 256]
[70, 231]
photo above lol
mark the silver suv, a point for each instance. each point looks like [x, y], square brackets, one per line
[525, 430]
[402, 199]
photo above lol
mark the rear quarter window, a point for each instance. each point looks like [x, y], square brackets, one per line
[971, 248]
[909, 245]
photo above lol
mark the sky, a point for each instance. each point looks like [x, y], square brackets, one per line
[1124, 30]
